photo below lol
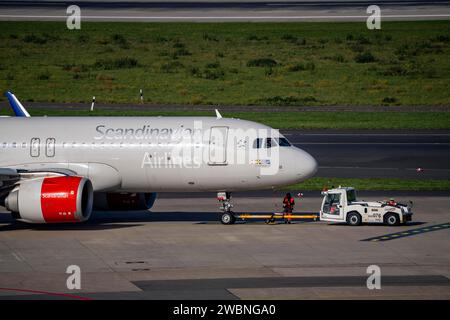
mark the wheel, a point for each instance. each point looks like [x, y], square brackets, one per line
[392, 219]
[228, 218]
[354, 219]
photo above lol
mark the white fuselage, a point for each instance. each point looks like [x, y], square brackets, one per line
[153, 154]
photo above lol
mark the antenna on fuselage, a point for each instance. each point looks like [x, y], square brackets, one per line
[93, 103]
[218, 115]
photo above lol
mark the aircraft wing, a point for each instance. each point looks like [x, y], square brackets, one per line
[10, 177]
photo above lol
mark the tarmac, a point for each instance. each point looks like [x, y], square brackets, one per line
[404, 154]
[179, 250]
[223, 11]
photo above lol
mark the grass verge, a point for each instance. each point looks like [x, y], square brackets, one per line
[372, 184]
[282, 64]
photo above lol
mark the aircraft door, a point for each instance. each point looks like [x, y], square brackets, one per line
[218, 146]
[35, 146]
[50, 147]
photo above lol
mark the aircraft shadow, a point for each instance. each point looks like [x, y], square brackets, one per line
[104, 220]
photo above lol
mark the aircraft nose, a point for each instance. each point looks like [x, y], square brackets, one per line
[306, 165]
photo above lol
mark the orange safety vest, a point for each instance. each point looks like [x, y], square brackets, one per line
[288, 203]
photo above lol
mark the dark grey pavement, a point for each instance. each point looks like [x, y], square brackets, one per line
[312, 10]
[180, 251]
[377, 154]
[219, 289]
[132, 106]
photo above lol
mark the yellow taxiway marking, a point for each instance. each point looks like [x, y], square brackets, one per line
[409, 233]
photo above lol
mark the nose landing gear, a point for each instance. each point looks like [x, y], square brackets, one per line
[227, 216]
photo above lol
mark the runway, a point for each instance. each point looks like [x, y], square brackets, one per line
[180, 251]
[377, 154]
[220, 11]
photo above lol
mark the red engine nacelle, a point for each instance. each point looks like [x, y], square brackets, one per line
[52, 200]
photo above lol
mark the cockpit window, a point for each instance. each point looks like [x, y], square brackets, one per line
[264, 143]
[283, 142]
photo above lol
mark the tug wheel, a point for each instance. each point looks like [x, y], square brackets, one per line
[354, 219]
[392, 219]
[227, 218]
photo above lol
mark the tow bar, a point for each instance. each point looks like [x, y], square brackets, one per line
[230, 217]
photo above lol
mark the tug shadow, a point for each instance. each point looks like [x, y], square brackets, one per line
[409, 224]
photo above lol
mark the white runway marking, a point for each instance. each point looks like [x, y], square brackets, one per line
[377, 168]
[370, 134]
[18, 256]
[373, 143]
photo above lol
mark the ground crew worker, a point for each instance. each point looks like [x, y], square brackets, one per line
[288, 205]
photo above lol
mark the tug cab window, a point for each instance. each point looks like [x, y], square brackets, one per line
[331, 204]
[351, 196]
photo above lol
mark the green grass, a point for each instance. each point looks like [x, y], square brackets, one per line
[372, 184]
[293, 120]
[405, 63]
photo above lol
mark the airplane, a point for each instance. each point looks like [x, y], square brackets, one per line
[59, 169]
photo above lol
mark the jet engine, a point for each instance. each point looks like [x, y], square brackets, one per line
[52, 200]
[124, 201]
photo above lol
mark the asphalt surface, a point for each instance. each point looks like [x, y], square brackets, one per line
[79, 106]
[181, 251]
[377, 154]
[346, 10]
